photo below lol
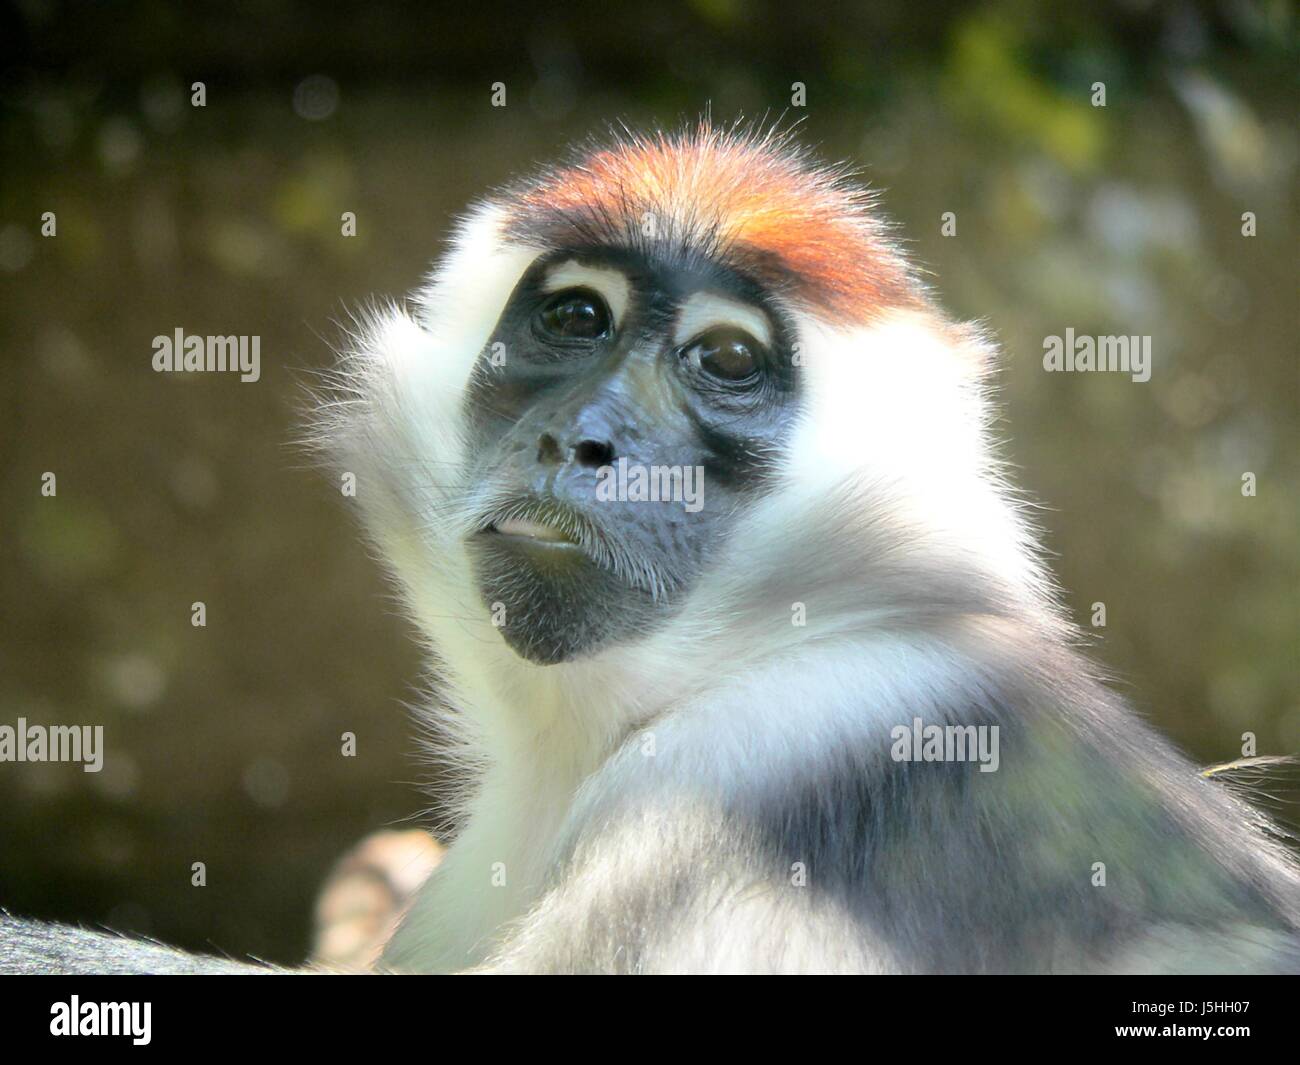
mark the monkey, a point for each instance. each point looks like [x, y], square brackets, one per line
[686, 734]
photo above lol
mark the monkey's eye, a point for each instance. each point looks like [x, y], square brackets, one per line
[727, 354]
[575, 314]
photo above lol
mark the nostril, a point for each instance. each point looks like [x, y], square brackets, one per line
[593, 453]
[548, 450]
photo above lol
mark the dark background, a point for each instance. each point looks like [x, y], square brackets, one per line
[223, 742]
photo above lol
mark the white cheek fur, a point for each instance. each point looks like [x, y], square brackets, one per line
[902, 405]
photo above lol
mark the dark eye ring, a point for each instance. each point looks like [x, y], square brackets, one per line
[727, 354]
[575, 314]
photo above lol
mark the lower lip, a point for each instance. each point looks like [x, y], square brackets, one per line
[532, 541]
[535, 541]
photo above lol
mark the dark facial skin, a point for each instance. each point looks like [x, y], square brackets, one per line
[576, 392]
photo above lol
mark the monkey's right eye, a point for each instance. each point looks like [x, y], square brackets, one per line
[575, 314]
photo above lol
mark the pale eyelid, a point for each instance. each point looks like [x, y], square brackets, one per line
[706, 310]
[611, 285]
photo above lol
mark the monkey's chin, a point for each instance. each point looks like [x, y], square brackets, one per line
[549, 600]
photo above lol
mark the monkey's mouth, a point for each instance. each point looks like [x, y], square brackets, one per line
[557, 583]
[541, 523]
[536, 531]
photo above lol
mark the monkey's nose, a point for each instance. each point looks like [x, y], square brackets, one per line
[548, 450]
[588, 452]
[593, 453]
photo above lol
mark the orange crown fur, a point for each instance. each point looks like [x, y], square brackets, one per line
[754, 202]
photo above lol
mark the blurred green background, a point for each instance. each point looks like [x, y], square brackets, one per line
[223, 742]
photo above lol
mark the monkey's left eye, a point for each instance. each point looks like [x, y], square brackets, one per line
[728, 354]
[575, 314]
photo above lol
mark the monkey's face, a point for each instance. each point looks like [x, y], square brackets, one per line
[592, 421]
[621, 417]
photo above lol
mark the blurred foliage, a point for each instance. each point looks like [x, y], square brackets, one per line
[223, 742]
